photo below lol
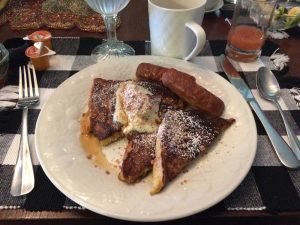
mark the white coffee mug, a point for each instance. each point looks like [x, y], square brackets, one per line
[210, 4]
[175, 27]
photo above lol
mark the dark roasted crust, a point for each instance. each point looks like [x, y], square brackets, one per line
[101, 108]
[207, 130]
[169, 100]
[185, 86]
[150, 72]
[138, 158]
[140, 151]
[184, 135]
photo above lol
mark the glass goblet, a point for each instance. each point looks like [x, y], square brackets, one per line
[109, 10]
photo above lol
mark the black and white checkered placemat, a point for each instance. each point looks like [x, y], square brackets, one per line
[268, 186]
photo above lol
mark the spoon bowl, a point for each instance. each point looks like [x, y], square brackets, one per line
[267, 84]
[269, 89]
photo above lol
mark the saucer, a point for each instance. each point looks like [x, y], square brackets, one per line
[219, 5]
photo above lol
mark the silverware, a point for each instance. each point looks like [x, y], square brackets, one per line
[23, 178]
[269, 89]
[283, 151]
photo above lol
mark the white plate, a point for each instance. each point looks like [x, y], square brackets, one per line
[208, 181]
[219, 5]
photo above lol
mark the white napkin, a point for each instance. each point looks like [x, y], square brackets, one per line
[295, 91]
[8, 97]
[279, 60]
[278, 34]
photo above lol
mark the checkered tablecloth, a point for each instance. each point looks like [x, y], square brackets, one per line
[268, 186]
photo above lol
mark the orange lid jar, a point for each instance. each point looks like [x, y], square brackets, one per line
[39, 62]
[43, 36]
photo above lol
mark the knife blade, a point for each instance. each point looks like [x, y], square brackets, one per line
[283, 151]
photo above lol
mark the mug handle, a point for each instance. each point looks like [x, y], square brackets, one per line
[200, 38]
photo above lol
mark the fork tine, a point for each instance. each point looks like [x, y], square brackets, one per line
[36, 87]
[20, 83]
[25, 82]
[29, 81]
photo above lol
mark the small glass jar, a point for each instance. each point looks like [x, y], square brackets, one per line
[16, 48]
[248, 32]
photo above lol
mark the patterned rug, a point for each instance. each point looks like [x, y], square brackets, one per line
[58, 14]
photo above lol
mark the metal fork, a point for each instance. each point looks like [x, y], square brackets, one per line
[23, 178]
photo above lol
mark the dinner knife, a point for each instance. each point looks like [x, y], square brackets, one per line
[283, 151]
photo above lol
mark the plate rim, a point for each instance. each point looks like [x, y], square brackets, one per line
[90, 207]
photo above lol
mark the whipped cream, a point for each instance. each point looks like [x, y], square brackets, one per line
[136, 108]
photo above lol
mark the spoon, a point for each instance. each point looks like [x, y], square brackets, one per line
[269, 89]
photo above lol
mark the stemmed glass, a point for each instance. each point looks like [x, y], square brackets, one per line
[111, 47]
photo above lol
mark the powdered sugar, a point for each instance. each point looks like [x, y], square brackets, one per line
[186, 134]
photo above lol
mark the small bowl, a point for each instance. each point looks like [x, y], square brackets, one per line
[284, 22]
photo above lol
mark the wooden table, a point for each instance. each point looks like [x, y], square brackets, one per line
[137, 29]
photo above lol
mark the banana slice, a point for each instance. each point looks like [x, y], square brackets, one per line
[294, 11]
[293, 17]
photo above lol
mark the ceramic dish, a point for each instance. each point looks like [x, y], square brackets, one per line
[219, 5]
[208, 180]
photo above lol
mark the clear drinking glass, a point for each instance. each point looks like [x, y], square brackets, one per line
[4, 64]
[251, 19]
[109, 10]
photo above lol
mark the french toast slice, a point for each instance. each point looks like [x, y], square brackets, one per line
[138, 157]
[140, 151]
[182, 136]
[100, 111]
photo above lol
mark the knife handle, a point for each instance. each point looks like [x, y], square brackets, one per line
[293, 139]
[283, 151]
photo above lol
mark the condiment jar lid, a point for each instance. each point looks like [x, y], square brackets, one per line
[38, 50]
[32, 52]
[40, 35]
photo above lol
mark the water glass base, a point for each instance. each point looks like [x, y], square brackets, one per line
[108, 49]
[242, 56]
[231, 1]
[2, 80]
